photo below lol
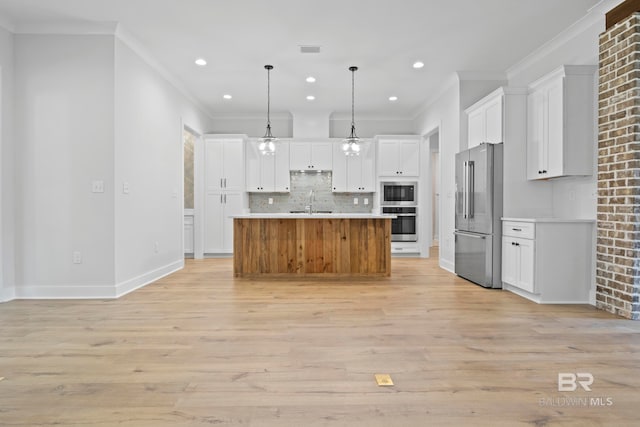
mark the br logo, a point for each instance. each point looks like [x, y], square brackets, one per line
[568, 381]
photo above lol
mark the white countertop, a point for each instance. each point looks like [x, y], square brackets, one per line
[548, 220]
[312, 216]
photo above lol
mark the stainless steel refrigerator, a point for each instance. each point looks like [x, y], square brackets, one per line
[478, 232]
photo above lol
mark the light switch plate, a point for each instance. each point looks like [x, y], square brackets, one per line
[97, 186]
[366, 201]
[77, 257]
[270, 200]
[125, 187]
[355, 200]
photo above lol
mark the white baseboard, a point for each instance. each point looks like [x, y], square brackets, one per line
[592, 297]
[138, 282]
[7, 294]
[447, 265]
[100, 291]
[65, 292]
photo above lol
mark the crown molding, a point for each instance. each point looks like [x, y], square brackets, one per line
[481, 75]
[67, 28]
[595, 16]
[451, 81]
[128, 39]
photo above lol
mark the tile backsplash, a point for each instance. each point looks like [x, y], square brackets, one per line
[296, 200]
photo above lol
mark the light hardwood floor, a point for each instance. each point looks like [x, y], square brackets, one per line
[202, 348]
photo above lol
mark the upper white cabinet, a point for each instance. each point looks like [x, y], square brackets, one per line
[560, 123]
[398, 156]
[485, 120]
[311, 156]
[224, 162]
[353, 174]
[268, 173]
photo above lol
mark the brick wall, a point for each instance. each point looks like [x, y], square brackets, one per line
[618, 246]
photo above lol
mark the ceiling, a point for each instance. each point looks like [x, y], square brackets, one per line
[382, 37]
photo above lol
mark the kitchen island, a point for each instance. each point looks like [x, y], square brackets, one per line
[312, 245]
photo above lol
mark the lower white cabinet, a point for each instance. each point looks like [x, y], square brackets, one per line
[188, 234]
[548, 260]
[218, 229]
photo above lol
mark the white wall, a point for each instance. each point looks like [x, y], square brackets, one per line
[63, 141]
[444, 113]
[339, 127]
[7, 202]
[148, 156]
[569, 197]
[281, 125]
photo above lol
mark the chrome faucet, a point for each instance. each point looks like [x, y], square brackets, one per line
[312, 198]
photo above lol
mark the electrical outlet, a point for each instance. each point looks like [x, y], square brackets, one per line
[97, 186]
[355, 200]
[77, 257]
[156, 247]
[366, 201]
[270, 200]
[125, 187]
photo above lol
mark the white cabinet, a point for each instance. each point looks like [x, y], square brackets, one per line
[188, 233]
[354, 174]
[484, 120]
[267, 173]
[311, 156]
[219, 206]
[398, 156]
[224, 163]
[548, 260]
[224, 190]
[560, 130]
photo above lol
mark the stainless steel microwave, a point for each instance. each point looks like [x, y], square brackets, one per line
[399, 193]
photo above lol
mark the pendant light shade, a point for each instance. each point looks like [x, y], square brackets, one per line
[267, 144]
[351, 144]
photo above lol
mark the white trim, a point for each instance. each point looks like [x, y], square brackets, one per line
[130, 41]
[7, 294]
[537, 298]
[481, 75]
[65, 292]
[595, 15]
[138, 282]
[67, 28]
[447, 84]
[445, 264]
[592, 297]
[96, 291]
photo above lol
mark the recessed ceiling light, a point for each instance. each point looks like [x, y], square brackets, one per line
[227, 96]
[393, 98]
[201, 62]
[311, 79]
[418, 64]
[310, 97]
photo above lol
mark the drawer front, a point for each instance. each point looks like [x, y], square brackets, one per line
[524, 230]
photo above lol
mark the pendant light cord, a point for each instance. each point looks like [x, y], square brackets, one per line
[353, 136]
[268, 96]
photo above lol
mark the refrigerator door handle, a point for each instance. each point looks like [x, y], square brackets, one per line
[475, 236]
[472, 189]
[464, 189]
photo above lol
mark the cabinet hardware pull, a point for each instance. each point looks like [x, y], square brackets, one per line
[517, 229]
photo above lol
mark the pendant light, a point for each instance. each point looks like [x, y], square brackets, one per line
[267, 144]
[351, 145]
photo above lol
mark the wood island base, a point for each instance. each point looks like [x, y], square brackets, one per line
[312, 246]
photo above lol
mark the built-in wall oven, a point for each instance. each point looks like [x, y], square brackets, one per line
[399, 193]
[404, 227]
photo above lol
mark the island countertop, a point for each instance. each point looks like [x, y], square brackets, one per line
[314, 215]
[318, 244]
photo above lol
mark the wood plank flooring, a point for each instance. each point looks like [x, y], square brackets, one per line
[201, 348]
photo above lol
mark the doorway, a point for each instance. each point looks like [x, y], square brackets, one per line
[434, 192]
[189, 138]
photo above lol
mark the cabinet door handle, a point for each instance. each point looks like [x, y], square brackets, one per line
[221, 199]
[225, 183]
[221, 184]
[517, 229]
[544, 171]
[225, 199]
